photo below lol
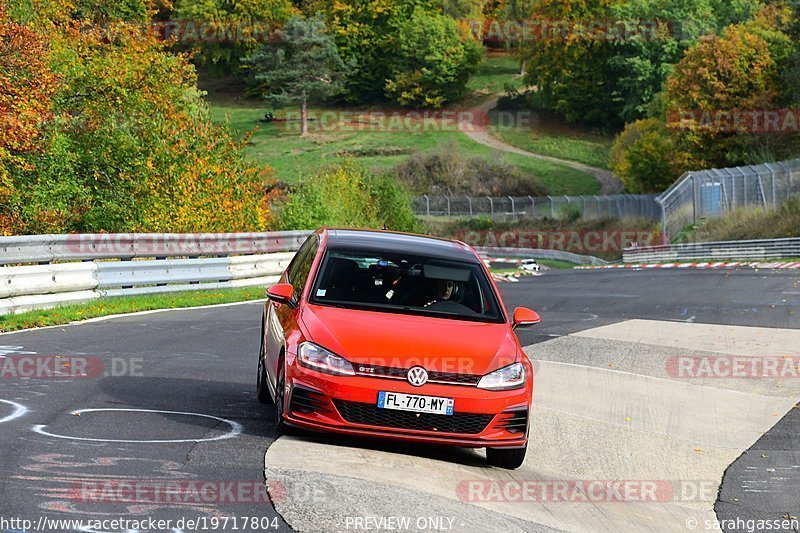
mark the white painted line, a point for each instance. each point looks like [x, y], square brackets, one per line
[19, 410]
[236, 428]
[137, 313]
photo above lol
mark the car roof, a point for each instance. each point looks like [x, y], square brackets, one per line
[396, 242]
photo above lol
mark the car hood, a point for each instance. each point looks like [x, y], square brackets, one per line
[402, 341]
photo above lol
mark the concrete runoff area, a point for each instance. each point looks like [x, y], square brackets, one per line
[591, 423]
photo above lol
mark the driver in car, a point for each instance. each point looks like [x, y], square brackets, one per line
[444, 291]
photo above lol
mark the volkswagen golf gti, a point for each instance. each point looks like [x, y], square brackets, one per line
[399, 336]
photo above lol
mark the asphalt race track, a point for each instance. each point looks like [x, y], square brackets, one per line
[171, 403]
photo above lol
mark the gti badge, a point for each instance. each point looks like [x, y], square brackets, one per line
[417, 376]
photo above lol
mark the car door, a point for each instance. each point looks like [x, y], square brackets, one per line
[282, 319]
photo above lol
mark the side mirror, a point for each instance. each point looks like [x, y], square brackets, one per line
[524, 317]
[282, 293]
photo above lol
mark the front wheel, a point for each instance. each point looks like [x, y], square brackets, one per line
[508, 458]
[262, 389]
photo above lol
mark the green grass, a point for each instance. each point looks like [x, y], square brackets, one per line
[555, 264]
[494, 73]
[750, 223]
[280, 146]
[590, 150]
[126, 304]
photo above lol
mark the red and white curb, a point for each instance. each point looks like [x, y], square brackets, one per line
[722, 264]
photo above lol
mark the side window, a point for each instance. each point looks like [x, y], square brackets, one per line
[299, 277]
[298, 258]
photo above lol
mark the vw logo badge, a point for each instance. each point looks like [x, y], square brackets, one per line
[417, 376]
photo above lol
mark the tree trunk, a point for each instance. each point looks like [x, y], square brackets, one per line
[303, 118]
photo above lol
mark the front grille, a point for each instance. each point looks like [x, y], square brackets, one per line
[433, 376]
[369, 414]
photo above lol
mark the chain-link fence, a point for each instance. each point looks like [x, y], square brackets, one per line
[712, 193]
[513, 207]
[695, 196]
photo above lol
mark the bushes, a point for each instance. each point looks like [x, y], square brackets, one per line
[346, 195]
[644, 157]
[446, 172]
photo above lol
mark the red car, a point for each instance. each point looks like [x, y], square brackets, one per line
[400, 336]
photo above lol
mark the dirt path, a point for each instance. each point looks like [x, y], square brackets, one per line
[609, 183]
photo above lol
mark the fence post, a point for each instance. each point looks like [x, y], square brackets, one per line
[552, 212]
[448, 204]
[663, 207]
[513, 210]
[533, 207]
[772, 178]
[491, 207]
[744, 181]
[427, 204]
[469, 200]
[788, 179]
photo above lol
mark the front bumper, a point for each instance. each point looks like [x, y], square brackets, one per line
[348, 405]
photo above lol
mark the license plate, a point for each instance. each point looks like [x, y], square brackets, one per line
[415, 403]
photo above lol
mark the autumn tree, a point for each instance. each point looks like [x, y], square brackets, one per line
[731, 72]
[27, 87]
[127, 143]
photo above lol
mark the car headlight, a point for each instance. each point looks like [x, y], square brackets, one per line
[318, 358]
[508, 377]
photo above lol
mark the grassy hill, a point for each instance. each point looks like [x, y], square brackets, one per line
[279, 145]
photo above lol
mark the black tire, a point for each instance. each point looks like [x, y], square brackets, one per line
[280, 397]
[508, 458]
[262, 389]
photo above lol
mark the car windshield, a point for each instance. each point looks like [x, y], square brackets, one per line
[405, 283]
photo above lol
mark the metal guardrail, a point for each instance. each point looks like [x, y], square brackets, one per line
[177, 262]
[44, 271]
[79, 247]
[539, 253]
[735, 250]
